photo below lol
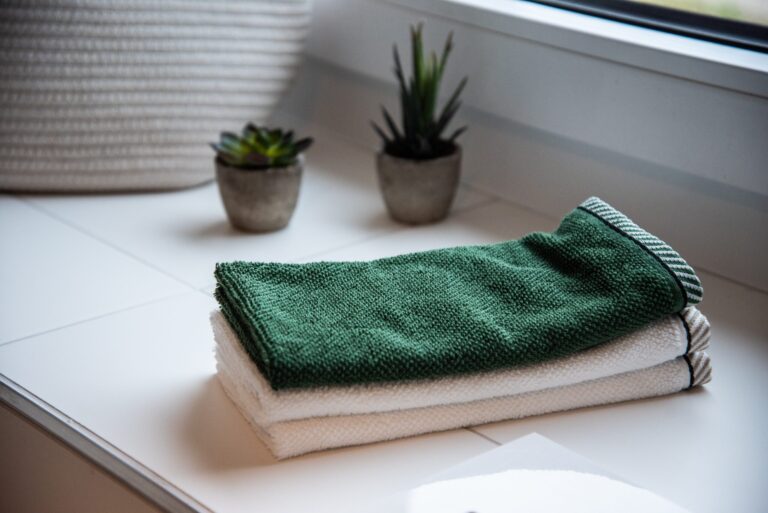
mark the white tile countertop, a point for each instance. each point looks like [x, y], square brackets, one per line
[105, 320]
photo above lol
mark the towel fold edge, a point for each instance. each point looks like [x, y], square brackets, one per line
[683, 273]
[224, 336]
[300, 436]
[700, 366]
[697, 329]
[264, 359]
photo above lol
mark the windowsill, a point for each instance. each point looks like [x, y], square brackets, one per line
[702, 61]
[121, 366]
[551, 124]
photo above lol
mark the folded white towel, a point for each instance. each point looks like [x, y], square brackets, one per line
[658, 342]
[292, 438]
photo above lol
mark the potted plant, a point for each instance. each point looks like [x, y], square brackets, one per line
[259, 173]
[418, 166]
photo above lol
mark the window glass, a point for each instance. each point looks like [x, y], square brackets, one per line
[749, 11]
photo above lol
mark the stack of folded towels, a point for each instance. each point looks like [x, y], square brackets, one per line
[332, 354]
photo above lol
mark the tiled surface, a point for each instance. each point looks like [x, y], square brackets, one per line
[492, 221]
[702, 449]
[488, 223]
[185, 233]
[100, 291]
[53, 275]
[142, 377]
[144, 380]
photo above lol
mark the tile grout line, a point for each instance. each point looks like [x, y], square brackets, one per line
[204, 289]
[747, 286]
[480, 189]
[96, 317]
[481, 435]
[507, 201]
[364, 147]
[103, 241]
[298, 120]
[396, 230]
[347, 245]
[487, 200]
[502, 199]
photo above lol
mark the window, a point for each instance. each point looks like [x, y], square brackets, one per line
[747, 11]
[742, 23]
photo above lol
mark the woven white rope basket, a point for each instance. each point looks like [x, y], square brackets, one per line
[100, 95]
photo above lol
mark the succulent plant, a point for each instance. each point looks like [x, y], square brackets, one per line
[420, 136]
[260, 148]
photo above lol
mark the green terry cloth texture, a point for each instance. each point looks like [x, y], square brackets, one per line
[455, 310]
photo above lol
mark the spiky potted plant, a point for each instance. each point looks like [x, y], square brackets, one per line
[259, 174]
[419, 165]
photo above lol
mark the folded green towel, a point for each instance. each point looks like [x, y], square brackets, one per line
[455, 310]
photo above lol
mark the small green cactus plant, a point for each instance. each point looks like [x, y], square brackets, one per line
[421, 134]
[260, 148]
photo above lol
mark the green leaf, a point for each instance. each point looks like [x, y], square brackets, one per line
[256, 160]
[283, 161]
[432, 85]
[391, 124]
[302, 144]
[422, 121]
[407, 114]
[262, 137]
[417, 52]
[414, 107]
[457, 133]
[226, 137]
[446, 52]
[398, 68]
[446, 117]
[381, 133]
[259, 147]
[455, 96]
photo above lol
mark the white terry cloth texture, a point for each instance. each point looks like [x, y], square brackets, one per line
[293, 438]
[659, 342]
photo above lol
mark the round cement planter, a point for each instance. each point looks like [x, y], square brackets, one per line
[419, 191]
[256, 200]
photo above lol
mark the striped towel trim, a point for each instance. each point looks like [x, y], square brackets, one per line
[671, 259]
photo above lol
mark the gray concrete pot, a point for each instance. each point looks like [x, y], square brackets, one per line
[256, 200]
[419, 191]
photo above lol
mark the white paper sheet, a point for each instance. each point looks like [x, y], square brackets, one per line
[531, 474]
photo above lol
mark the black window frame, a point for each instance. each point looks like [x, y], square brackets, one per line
[700, 26]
